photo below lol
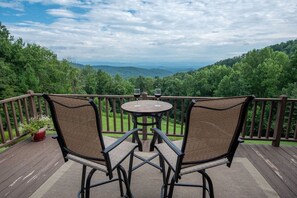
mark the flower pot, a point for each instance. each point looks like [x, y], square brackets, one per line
[39, 136]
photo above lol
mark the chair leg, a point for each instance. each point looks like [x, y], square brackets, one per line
[210, 186]
[162, 165]
[83, 179]
[130, 167]
[126, 181]
[120, 182]
[170, 194]
[88, 183]
[165, 182]
[204, 185]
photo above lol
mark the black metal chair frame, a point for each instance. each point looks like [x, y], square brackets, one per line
[181, 152]
[86, 182]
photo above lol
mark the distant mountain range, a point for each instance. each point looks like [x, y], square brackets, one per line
[288, 47]
[130, 71]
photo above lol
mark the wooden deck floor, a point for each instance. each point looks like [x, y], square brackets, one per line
[27, 165]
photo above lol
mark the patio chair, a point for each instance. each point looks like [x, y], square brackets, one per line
[211, 138]
[79, 135]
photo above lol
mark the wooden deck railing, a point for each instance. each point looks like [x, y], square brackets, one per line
[271, 119]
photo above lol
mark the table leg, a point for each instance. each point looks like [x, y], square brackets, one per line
[159, 126]
[161, 160]
[134, 119]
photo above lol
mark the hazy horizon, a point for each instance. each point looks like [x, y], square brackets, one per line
[146, 65]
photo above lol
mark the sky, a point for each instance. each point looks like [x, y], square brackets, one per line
[150, 33]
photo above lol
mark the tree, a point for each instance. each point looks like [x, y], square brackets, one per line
[89, 77]
[173, 87]
[7, 81]
[29, 81]
[102, 80]
[119, 86]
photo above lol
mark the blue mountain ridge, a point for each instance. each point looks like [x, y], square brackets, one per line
[131, 71]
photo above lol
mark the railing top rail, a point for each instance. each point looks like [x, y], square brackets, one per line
[14, 98]
[148, 96]
[292, 100]
[274, 99]
[90, 95]
[267, 99]
[131, 96]
[126, 96]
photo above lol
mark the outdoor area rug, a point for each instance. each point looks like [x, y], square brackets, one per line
[241, 180]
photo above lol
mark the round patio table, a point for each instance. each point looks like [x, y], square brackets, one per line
[151, 108]
[141, 108]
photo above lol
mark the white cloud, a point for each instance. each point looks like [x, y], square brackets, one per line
[12, 5]
[57, 2]
[161, 31]
[61, 13]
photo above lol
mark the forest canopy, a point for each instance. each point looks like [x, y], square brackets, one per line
[267, 72]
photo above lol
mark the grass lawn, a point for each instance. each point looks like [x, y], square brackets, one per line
[125, 124]
[282, 143]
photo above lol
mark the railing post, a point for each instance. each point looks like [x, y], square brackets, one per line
[281, 108]
[32, 105]
[144, 119]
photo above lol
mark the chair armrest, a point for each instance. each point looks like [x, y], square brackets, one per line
[173, 147]
[123, 138]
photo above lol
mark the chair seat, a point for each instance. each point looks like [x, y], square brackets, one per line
[171, 158]
[88, 163]
[203, 166]
[116, 155]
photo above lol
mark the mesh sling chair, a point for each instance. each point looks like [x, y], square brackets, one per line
[80, 138]
[211, 138]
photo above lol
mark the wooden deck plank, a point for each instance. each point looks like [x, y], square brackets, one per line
[30, 178]
[255, 157]
[44, 171]
[291, 152]
[281, 165]
[12, 150]
[240, 152]
[27, 165]
[26, 159]
[289, 155]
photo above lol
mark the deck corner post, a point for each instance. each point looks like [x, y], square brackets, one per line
[281, 108]
[32, 105]
[144, 119]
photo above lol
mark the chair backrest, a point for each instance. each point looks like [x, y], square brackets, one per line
[213, 127]
[78, 127]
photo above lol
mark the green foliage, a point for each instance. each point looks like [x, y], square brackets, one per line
[229, 62]
[29, 66]
[291, 90]
[102, 81]
[7, 80]
[289, 47]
